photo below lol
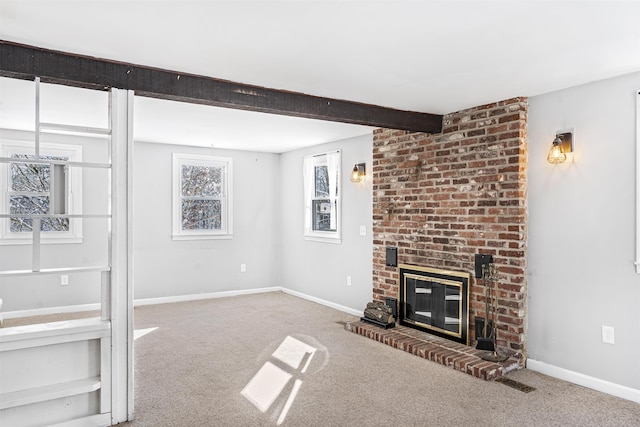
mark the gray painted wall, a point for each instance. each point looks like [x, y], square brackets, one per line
[267, 235]
[580, 247]
[320, 269]
[582, 232]
[24, 293]
[164, 267]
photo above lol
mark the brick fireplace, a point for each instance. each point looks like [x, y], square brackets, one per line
[441, 198]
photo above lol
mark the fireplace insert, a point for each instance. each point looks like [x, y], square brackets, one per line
[435, 301]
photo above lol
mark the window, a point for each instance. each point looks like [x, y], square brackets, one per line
[202, 202]
[321, 196]
[38, 189]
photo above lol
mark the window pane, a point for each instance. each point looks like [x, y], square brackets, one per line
[201, 181]
[29, 204]
[54, 224]
[201, 215]
[322, 215]
[34, 205]
[30, 176]
[21, 225]
[322, 181]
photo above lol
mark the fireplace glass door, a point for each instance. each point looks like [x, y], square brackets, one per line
[435, 301]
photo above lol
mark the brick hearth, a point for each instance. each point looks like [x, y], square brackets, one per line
[448, 353]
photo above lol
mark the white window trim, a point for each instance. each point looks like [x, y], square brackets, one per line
[309, 162]
[226, 232]
[74, 196]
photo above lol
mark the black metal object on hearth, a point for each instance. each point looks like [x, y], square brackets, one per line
[490, 331]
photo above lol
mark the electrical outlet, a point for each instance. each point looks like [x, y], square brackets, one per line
[243, 268]
[348, 280]
[363, 230]
[64, 280]
[608, 335]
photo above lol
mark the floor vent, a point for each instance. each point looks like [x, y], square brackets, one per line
[515, 384]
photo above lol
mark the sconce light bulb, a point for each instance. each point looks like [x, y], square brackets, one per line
[355, 175]
[556, 155]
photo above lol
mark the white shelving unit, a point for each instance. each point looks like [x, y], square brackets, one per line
[93, 356]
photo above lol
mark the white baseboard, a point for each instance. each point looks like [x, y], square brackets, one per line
[613, 389]
[209, 295]
[136, 303]
[323, 302]
[179, 298]
[194, 297]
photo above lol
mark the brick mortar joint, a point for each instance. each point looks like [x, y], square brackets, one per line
[387, 145]
[440, 354]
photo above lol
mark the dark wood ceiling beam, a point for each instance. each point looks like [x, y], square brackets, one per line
[27, 62]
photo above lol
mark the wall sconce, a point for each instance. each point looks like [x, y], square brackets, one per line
[562, 144]
[358, 172]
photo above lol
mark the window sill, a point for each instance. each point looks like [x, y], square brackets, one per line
[322, 239]
[9, 241]
[202, 237]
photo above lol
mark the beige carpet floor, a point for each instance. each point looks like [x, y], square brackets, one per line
[264, 359]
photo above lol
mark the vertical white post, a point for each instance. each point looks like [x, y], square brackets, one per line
[105, 294]
[105, 346]
[105, 375]
[637, 181]
[35, 223]
[35, 242]
[37, 135]
[130, 295]
[121, 262]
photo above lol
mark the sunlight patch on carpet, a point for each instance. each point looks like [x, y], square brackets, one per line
[271, 383]
[137, 333]
[293, 352]
[265, 386]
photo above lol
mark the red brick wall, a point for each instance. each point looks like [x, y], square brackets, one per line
[442, 198]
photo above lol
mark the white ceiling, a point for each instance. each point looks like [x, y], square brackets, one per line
[426, 56]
